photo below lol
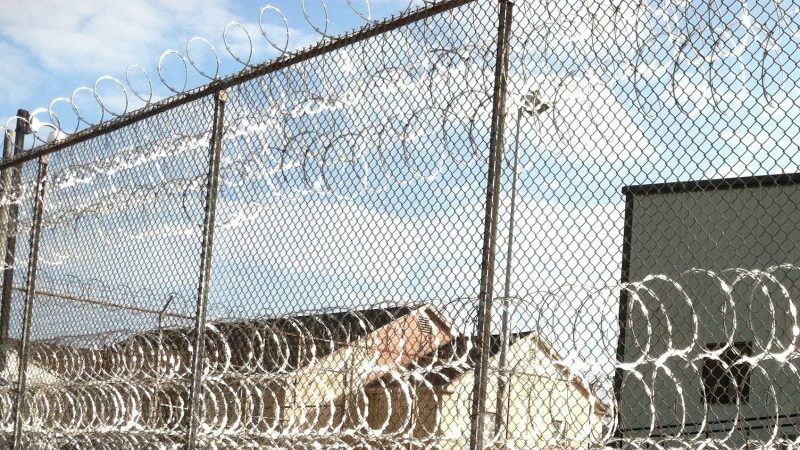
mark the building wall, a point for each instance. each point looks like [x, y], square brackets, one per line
[672, 233]
[298, 387]
[332, 392]
[539, 394]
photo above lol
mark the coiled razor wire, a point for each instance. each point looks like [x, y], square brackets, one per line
[292, 161]
[352, 155]
[328, 378]
[87, 107]
[133, 392]
[720, 40]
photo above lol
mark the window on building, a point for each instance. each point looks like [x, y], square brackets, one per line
[727, 378]
[559, 429]
[490, 423]
[789, 442]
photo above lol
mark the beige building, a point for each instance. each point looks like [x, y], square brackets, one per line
[284, 380]
[381, 378]
[327, 394]
[547, 406]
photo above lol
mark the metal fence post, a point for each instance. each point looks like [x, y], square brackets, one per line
[10, 224]
[30, 289]
[495, 163]
[212, 185]
[5, 304]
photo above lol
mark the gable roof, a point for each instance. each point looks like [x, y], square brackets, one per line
[304, 340]
[287, 343]
[454, 359]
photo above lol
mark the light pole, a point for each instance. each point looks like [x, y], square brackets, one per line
[532, 105]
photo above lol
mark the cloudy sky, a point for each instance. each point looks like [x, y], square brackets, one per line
[66, 45]
[677, 116]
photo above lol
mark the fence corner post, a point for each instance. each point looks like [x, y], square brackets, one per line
[494, 174]
[7, 191]
[30, 292]
[11, 187]
[212, 187]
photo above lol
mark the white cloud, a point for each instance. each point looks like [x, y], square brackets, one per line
[586, 119]
[73, 43]
[555, 244]
[19, 79]
[65, 44]
[346, 240]
[301, 234]
[89, 37]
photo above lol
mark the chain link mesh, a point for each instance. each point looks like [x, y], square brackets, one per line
[643, 270]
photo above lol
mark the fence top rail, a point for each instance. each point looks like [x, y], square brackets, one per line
[323, 47]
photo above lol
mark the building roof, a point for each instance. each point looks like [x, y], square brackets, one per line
[756, 181]
[286, 343]
[452, 360]
[302, 341]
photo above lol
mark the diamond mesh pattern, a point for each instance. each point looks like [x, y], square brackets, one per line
[640, 275]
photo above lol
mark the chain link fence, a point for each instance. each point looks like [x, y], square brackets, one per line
[482, 224]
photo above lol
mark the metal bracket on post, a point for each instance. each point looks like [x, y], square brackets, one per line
[212, 186]
[496, 149]
[30, 290]
[155, 413]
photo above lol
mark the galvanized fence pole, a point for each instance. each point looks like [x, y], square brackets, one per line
[495, 165]
[30, 290]
[5, 303]
[212, 184]
[22, 128]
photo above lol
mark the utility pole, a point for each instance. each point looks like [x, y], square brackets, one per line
[532, 105]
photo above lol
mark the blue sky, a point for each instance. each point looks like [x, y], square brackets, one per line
[680, 115]
[66, 45]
